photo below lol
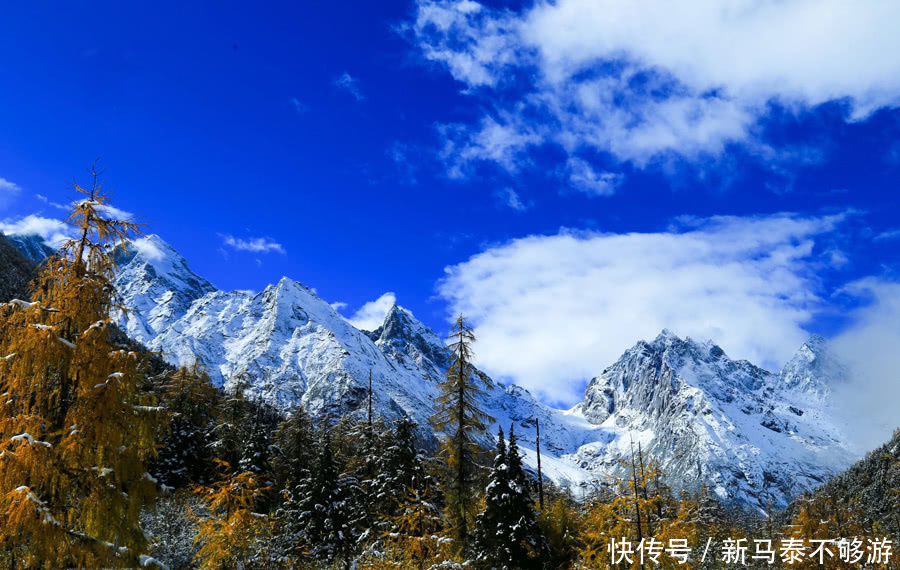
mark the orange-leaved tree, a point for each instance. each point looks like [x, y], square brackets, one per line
[76, 425]
[230, 533]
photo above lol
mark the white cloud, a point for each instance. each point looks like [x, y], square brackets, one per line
[148, 248]
[553, 311]
[56, 205]
[869, 345]
[889, 234]
[510, 198]
[257, 245]
[115, 213]
[54, 231]
[584, 178]
[351, 85]
[371, 315]
[641, 79]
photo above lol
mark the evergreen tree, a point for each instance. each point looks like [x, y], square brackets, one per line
[229, 432]
[323, 510]
[243, 431]
[459, 417]
[294, 443]
[398, 467]
[507, 535]
[261, 422]
[191, 400]
[78, 422]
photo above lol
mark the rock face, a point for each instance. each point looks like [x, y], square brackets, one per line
[16, 271]
[753, 436]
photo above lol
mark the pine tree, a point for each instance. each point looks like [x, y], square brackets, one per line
[323, 510]
[294, 443]
[78, 424]
[506, 532]
[242, 433]
[191, 400]
[398, 466]
[459, 417]
[492, 540]
[261, 421]
[529, 546]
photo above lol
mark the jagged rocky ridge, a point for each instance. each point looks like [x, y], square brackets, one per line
[753, 437]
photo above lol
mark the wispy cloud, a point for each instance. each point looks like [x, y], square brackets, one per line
[510, 198]
[643, 82]
[889, 234]
[8, 187]
[399, 155]
[49, 202]
[8, 191]
[351, 85]
[256, 245]
[582, 177]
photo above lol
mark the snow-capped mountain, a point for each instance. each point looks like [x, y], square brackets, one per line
[32, 246]
[750, 435]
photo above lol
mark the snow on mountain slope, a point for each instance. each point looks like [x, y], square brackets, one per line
[750, 435]
[156, 285]
[32, 246]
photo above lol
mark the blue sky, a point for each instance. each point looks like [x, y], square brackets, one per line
[574, 176]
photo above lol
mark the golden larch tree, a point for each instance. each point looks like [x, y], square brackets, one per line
[76, 425]
[230, 533]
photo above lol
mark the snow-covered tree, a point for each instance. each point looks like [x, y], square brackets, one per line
[77, 424]
[322, 511]
[294, 447]
[190, 400]
[398, 466]
[507, 535]
[171, 526]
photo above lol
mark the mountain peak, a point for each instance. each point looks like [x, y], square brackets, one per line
[159, 284]
[401, 331]
[813, 369]
[666, 334]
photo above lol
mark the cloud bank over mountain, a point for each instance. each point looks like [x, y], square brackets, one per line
[551, 311]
